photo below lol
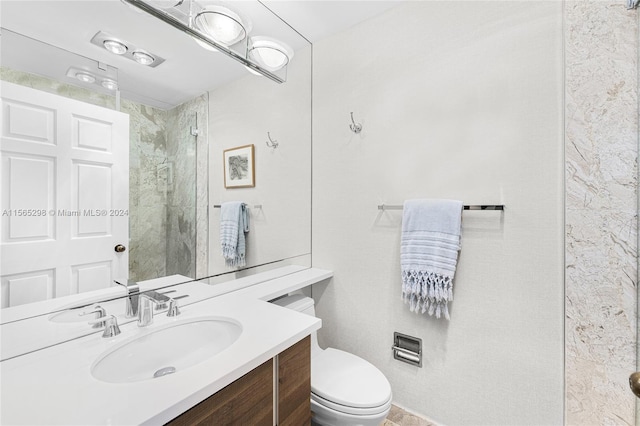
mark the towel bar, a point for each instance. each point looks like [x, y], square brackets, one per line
[257, 206]
[472, 207]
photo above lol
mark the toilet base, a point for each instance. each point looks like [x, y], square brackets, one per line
[324, 416]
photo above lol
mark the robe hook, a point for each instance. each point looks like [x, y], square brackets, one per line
[355, 127]
[271, 143]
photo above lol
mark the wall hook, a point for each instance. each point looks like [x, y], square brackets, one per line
[355, 127]
[271, 143]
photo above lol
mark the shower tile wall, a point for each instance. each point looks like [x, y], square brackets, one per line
[601, 151]
[183, 152]
[147, 191]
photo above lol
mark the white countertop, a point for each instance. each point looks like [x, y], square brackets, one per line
[55, 386]
[44, 330]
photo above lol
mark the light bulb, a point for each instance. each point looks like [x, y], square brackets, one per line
[222, 25]
[143, 58]
[109, 84]
[115, 46]
[85, 77]
[269, 53]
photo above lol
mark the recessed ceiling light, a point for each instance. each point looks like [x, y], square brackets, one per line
[85, 77]
[269, 53]
[109, 84]
[223, 25]
[143, 57]
[126, 49]
[114, 46]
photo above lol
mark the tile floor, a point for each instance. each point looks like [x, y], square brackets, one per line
[399, 417]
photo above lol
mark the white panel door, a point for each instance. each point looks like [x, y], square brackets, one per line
[65, 196]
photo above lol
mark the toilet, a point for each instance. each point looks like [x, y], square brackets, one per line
[346, 390]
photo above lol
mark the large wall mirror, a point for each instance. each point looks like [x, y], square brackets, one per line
[146, 127]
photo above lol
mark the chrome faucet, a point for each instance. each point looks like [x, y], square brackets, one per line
[99, 318]
[146, 301]
[111, 328]
[133, 291]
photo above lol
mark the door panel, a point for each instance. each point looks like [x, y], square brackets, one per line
[65, 196]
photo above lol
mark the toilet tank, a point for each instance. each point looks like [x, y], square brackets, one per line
[305, 305]
[297, 302]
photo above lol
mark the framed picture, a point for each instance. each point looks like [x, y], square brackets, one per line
[239, 167]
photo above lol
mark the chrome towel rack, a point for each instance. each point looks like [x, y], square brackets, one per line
[257, 206]
[466, 207]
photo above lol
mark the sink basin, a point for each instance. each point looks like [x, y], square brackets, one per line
[166, 349]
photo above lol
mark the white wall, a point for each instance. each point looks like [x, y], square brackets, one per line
[244, 112]
[458, 100]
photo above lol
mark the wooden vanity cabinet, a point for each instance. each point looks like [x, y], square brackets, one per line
[255, 397]
[294, 384]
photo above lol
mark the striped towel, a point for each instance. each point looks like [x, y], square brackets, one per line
[234, 223]
[429, 253]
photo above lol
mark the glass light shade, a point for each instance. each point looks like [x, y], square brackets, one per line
[85, 77]
[269, 53]
[114, 46]
[109, 84]
[165, 4]
[205, 45]
[143, 57]
[221, 24]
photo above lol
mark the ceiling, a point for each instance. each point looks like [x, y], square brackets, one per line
[188, 71]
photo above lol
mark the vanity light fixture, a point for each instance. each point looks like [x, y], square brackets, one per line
[124, 49]
[269, 53]
[222, 24]
[208, 26]
[205, 45]
[166, 4]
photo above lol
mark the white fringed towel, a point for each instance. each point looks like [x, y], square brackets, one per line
[429, 253]
[234, 223]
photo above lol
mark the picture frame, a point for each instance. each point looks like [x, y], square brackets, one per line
[239, 167]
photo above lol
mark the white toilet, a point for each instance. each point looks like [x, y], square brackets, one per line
[346, 390]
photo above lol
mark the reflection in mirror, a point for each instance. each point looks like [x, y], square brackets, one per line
[180, 116]
[134, 195]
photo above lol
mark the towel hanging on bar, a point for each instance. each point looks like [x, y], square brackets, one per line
[429, 253]
[466, 207]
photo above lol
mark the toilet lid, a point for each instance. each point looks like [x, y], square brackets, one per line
[348, 380]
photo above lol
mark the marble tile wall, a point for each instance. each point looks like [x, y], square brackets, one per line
[147, 191]
[183, 193]
[601, 151]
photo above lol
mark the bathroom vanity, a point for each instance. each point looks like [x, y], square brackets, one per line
[276, 392]
[261, 377]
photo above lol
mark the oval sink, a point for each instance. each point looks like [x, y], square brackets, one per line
[167, 349]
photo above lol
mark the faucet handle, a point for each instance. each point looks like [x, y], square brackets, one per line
[100, 313]
[173, 310]
[111, 328]
[131, 285]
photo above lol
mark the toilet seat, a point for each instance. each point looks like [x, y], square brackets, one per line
[347, 383]
[351, 411]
